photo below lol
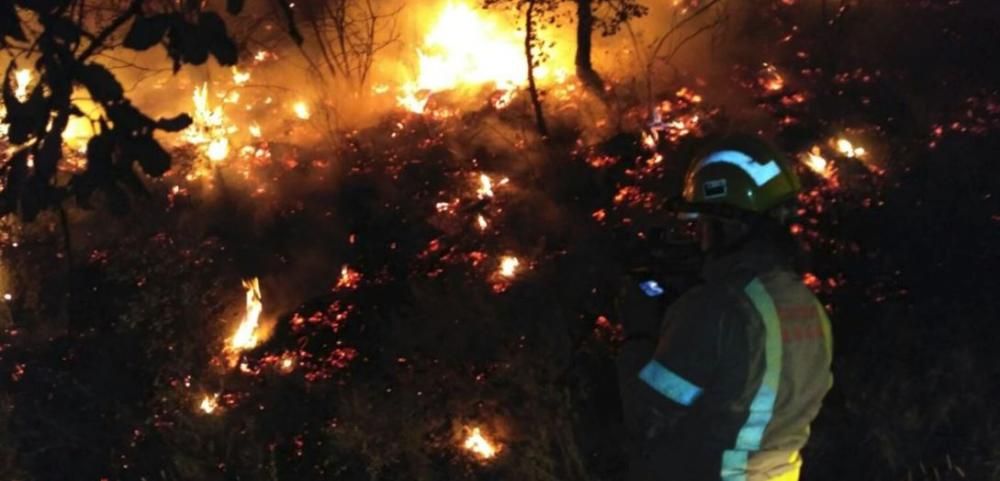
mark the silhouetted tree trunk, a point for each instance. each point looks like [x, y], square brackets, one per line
[529, 40]
[584, 31]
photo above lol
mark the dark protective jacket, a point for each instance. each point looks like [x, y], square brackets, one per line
[739, 372]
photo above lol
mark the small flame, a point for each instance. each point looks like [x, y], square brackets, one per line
[22, 79]
[485, 186]
[481, 222]
[479, 445]
[209, 403]
[508, 266]
[845, 147]
[246, 334]
[302, 110]
[287, 363]
[255, 131]
[240, 78]
[818, 164]
[349, 278]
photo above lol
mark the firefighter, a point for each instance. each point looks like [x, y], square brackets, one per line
[726, 386]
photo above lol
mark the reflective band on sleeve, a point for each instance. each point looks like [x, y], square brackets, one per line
[734, 462]
[760, 173]
[669, 384]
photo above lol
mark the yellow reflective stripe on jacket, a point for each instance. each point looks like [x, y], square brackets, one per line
[735, 461]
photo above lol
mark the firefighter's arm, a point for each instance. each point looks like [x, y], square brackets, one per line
[674, 378]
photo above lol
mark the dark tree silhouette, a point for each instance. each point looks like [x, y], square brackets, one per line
[63, 38]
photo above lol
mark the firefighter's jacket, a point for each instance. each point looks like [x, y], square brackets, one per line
[739, 372]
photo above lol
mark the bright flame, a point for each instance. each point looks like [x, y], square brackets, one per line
[22, 79]
[209, 403]
[845, 147]
[218, 149]
[817, 163]
[246, 334]
[240, 78]
[476, 443]
[481, 222]
[466, 47]
[302, 110]
[209, 128]
[485, 186]
[255, 131]
[508, 266]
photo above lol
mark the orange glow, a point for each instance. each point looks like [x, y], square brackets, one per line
[302, 110]
[508, 266]
[349, 278]
[467, 46]
[209, 403]
[479, 445]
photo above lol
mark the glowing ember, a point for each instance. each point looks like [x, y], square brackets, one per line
[255, 131]
[479, 445]
[240, 78]
[302, 110]
[486, 185]
[845, 147]
[209, 403]
[349, 278]
[287, 363]
[770, 79]
[22, 79]
[246, 334]
[508, 266]
[481, 222]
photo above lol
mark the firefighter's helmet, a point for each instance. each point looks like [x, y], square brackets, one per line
[741, 172]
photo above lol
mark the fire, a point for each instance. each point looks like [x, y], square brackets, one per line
[302, 110]
[479, 445]
[845, 147]
[468, 47]
[481, 222]
[508, 266]
[817, 163]
[22, 80]
[486, 186]
[209, 128]
[209, 403]
[349, 278]
[246, 336]
[255, 130]
[770, 79]
[240, 78]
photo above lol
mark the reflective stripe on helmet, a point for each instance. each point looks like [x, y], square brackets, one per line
[735, 461]
[760, 173]
[669, 383]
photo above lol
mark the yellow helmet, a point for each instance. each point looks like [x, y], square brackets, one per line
[742, 172]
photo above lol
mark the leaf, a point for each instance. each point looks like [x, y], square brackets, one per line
[175, 124]
[147, 32]
[234, 7]
[101, 83]
[99, 149]
[213, 28]
[149, 153]
[189, 42]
